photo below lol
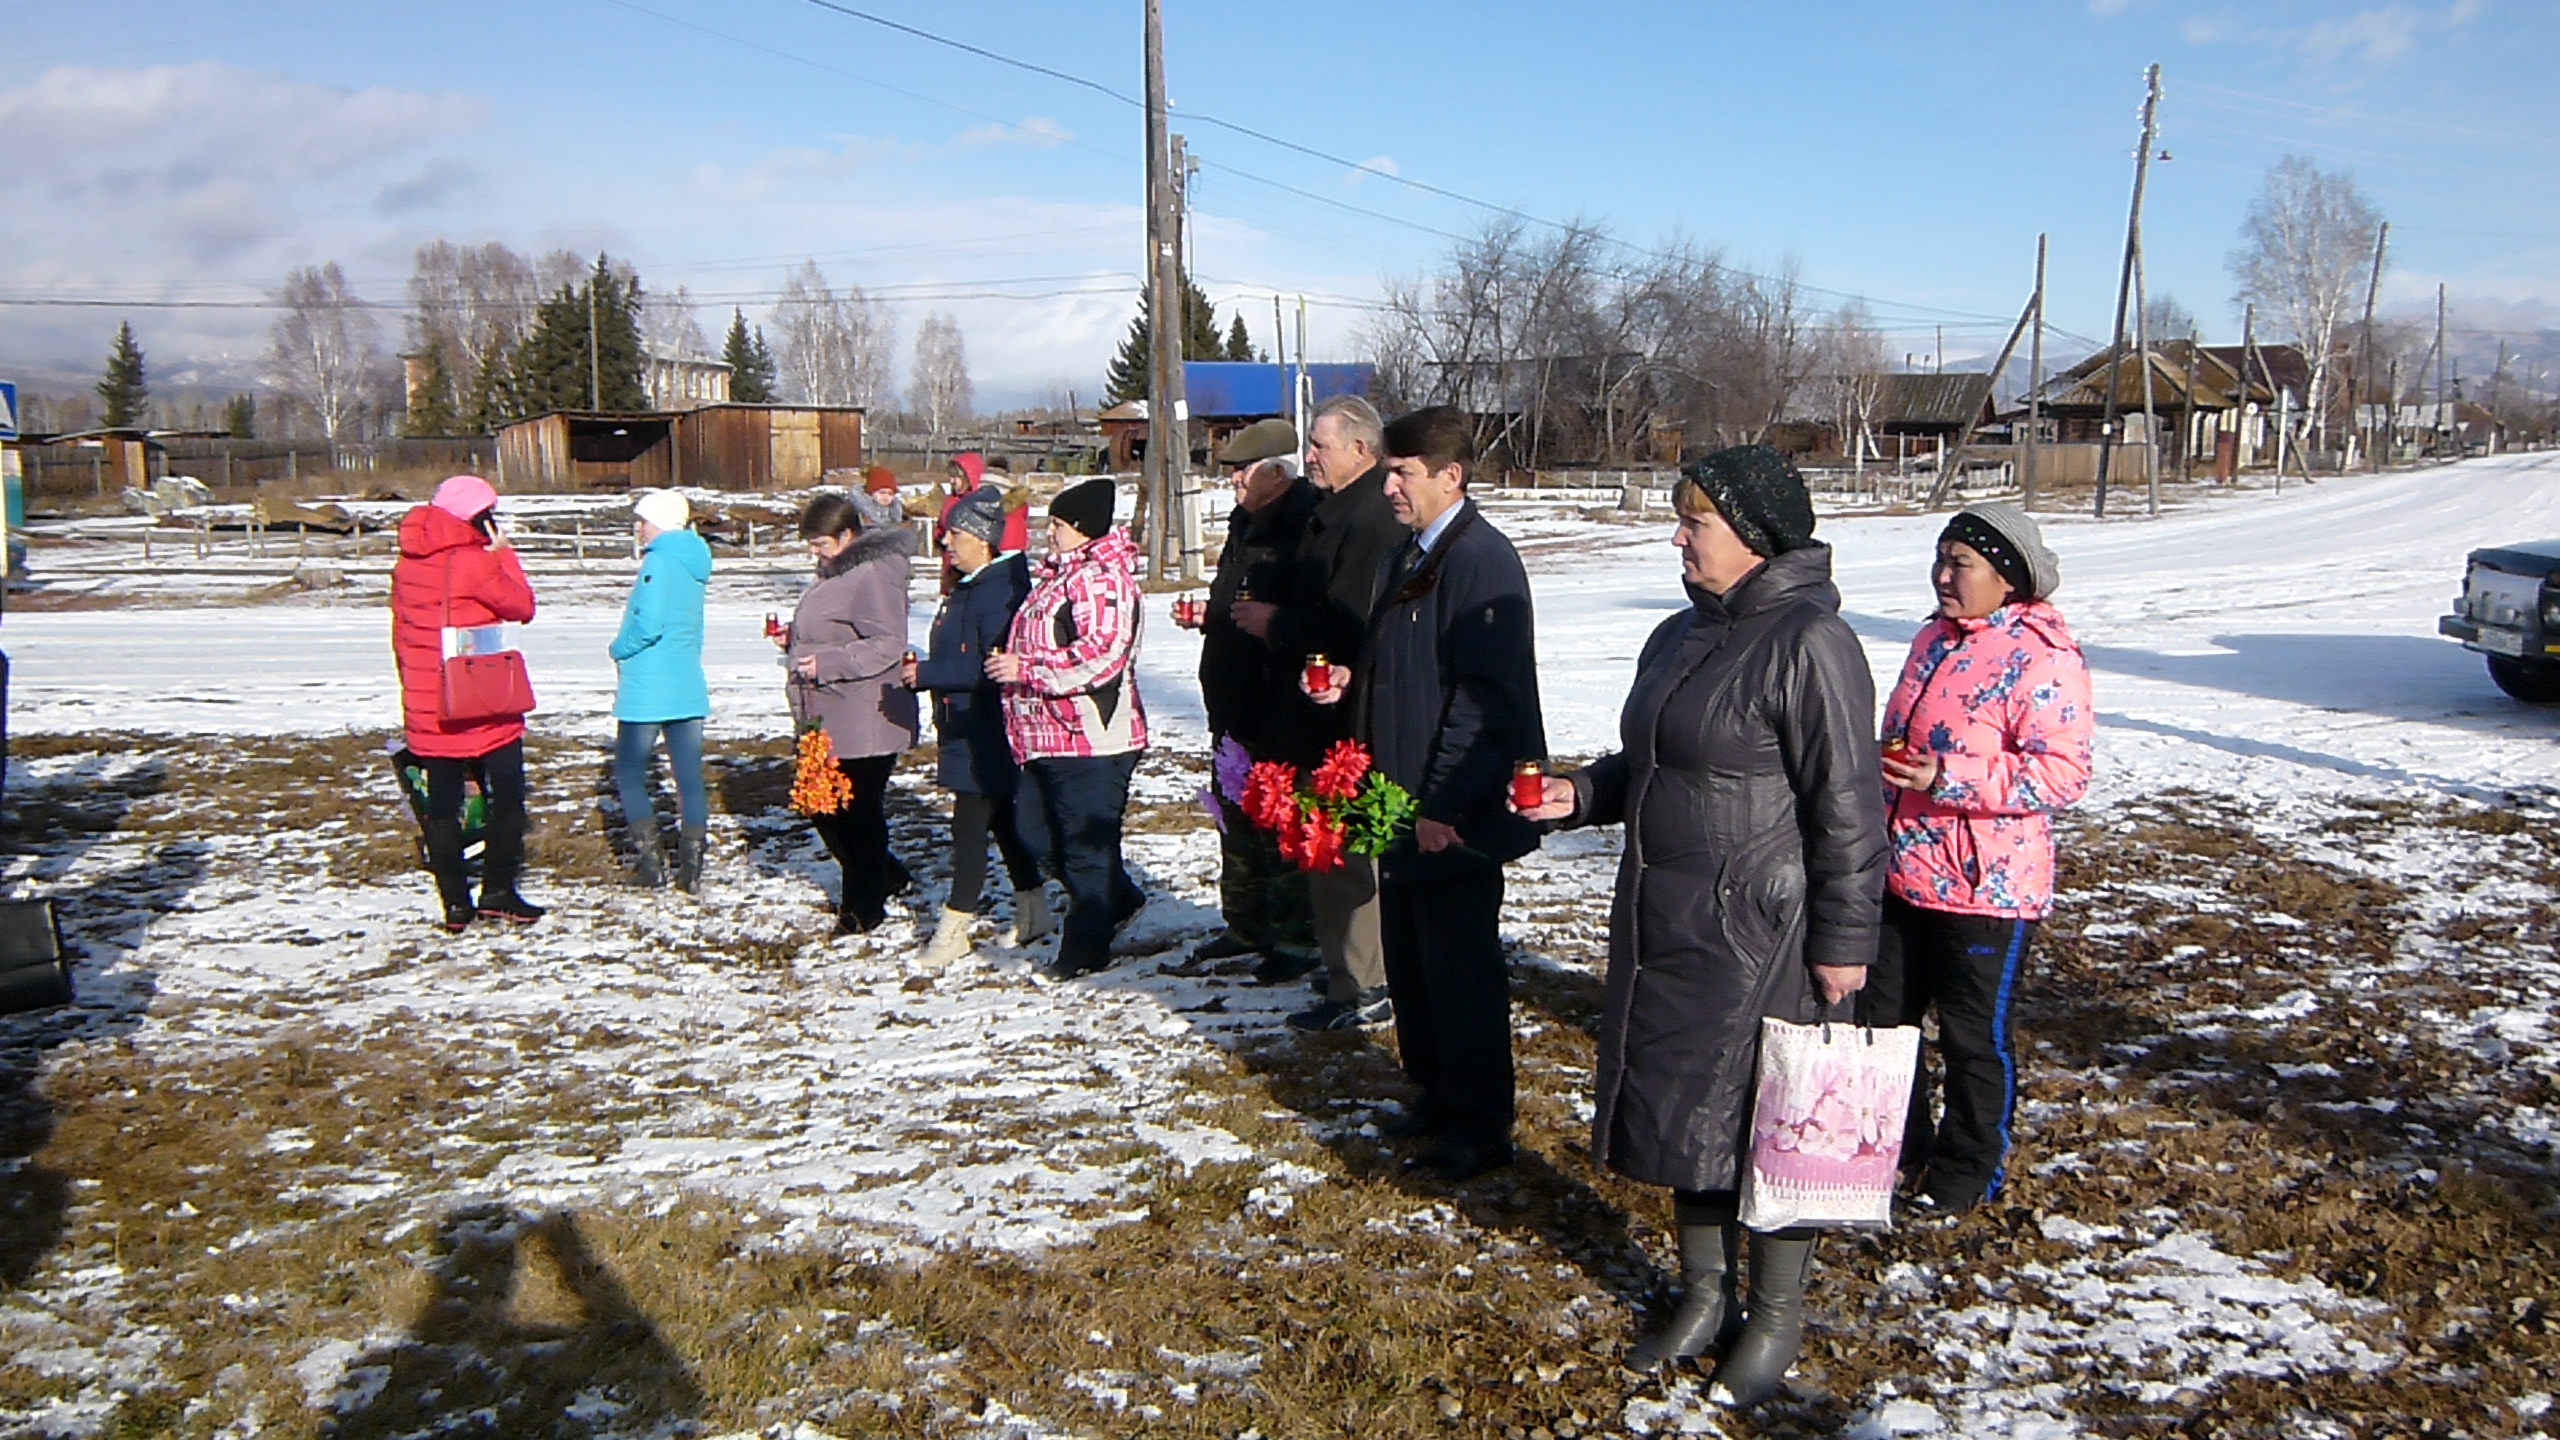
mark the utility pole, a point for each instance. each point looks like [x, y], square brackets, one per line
[595, 347]
[2035, 387]
[2364, 361]
[2444, 417]
[2124, 282]
[1168, 415]
[1185, 536]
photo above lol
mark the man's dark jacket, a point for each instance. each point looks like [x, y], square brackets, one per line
[1755, 848]
[1446, 695]
[1250, 690]
[1334, 585]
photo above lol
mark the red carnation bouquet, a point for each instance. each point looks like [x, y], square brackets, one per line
[1346, 807]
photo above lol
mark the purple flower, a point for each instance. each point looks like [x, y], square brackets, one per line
[1231, 764]
[1217, 813]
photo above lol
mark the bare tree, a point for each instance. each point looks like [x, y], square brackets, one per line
[1850, 365]
[2303, 260]
[835, 349]
[939, 391]
[669, 328]
[474, 303]
[324, 352]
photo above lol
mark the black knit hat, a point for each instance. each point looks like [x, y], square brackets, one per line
[1760, 495]
[1087, 507]
[981, 513]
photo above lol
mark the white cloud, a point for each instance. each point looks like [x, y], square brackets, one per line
[1374, 165]
[2377, 37]
[153, 180]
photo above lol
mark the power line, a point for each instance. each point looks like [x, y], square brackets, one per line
[1191, 116]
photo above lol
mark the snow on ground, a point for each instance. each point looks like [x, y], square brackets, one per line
[2275, 650]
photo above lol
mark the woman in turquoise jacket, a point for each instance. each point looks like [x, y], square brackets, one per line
[660, 688]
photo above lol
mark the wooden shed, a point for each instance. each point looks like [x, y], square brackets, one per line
[576, 450]
[717, 447]
[736, 446]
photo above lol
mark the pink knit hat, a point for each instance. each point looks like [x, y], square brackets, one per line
[466, 497]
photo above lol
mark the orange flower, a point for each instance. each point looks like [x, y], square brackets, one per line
[818, 785]
[1320, 844]
[1270, 793]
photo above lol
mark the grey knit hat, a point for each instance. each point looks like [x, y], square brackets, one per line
[2011, 540]
[981, 514]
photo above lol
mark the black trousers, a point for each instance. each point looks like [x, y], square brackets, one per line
[1069, 812]
[858, 836]
[502, 842]
[1968, 968]
[974, 819]
[1453, 1000]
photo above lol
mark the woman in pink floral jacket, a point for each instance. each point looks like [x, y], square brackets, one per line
[1988, 733]
[1074, 719]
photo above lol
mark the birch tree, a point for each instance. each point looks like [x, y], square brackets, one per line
[2304, 259]
[939, 391]
[834, 349]
[324, 351]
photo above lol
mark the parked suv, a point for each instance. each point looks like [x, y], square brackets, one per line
[2509, 611]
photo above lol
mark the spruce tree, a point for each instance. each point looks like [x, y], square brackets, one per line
[124, 388]
[1239, 344]
[433, 412]
[750, 363]
[559, 367]
[240, 417]
[1127, 378]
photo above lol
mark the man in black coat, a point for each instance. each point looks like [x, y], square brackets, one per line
[1446, 696]
[1323, 609]
[1252, 696]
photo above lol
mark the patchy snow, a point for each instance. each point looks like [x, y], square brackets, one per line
[2275, 650]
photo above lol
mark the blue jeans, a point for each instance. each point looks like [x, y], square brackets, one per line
[632, 742]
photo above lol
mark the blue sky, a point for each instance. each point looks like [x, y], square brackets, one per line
[1905, 152]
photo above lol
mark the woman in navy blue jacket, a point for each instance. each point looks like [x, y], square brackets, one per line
[976, 763]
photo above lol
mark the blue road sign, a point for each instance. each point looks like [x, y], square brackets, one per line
[8, 411]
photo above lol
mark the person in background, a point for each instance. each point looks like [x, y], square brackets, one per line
[1446, 695]
[974, 762]
[1251, 696]
[846, 645]
[1323, 609]
[962, 477]
[1989, 732]
[1075, 719]
[660, 688]
[457, 572]
[1748, 887]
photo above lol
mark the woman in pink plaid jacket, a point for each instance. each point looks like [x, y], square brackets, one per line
[1074, 718]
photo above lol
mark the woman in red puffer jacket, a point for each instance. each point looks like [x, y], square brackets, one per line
[456, 571]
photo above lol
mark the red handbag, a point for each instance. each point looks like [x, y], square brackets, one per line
[482, 686]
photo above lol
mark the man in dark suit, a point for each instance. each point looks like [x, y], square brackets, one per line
[1324, 610]
[1446, 696]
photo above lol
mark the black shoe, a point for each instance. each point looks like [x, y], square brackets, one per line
[510, 907]
[1279, 967]
[457, 918]
[1068, 967]
[1372, 1008]
[1225, 945]
[1458, 1163]
[1418, 1123]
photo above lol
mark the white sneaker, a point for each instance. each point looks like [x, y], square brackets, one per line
[1032, 919]
[950, 942]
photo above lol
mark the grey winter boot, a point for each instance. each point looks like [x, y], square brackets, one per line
[689, 845]
[1032, 919]
[648, 857]
[1758, 1362]
[950, 943]
[1710, 1315]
